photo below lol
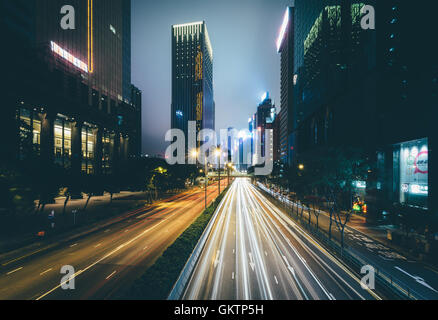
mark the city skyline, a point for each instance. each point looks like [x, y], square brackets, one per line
[255, 54]
[312, 176]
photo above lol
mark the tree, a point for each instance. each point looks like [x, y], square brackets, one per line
[332, 173]
[92, 185]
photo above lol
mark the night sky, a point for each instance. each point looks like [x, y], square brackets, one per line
[243, 35]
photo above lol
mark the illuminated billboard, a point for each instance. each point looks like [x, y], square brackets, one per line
[413, 172]
[68, 57]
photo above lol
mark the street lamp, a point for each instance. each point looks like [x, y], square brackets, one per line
[218, 154]
[229, 166]
[195, 154]
[301, 167]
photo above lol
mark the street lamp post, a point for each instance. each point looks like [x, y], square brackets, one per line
[218, 154]
[195, 154]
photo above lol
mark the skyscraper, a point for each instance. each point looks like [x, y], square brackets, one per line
[192, 77]
[264, 119]
[285, 46]
[75, 105]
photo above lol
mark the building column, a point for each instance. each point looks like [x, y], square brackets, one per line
[116, 153]
[9, 130]
[98, 154]
[76, 159]
[48, 137]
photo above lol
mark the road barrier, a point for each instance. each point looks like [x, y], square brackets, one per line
[186, 274]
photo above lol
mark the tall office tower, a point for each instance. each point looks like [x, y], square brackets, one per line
[101, 41]
[285, 46]
[264, 119]
[75, 105]
[17, 25]
[192, 78]
[252, 132]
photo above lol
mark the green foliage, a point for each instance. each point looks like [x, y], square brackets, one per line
[330, 172]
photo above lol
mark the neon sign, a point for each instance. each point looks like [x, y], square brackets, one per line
[68, 57]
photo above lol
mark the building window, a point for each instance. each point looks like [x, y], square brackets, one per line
[107, 151]
[88, 148]
[30, 132]
[63, 148]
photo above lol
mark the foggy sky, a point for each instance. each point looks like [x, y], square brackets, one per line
[246, 64]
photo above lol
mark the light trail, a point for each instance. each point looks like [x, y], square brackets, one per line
[267, 256]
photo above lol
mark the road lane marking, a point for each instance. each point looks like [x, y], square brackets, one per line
[47, 271]
[97, 246]
[276, 280]
[100, 260]
[216, 262]
[22, 257]
[73, 245]
[284, 220]
[417, 279]
[111, 275]
[107, 230]
[13, 271]
[145, 248]
[232, 276]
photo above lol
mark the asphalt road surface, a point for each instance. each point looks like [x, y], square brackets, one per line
[410, 277]
[255, 252]
[106, 262]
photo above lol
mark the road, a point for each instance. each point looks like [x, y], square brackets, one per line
[411, 277]
[108, 261]
[255, 252]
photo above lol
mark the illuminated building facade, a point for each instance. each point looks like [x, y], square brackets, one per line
[287, 116]
[264, 120]
[74, 103]
[192, 77]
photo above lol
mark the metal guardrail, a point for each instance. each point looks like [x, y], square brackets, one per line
[355, 260]
[183, 279]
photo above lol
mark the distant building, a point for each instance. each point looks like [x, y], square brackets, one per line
[264, 119]
[192, 78]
